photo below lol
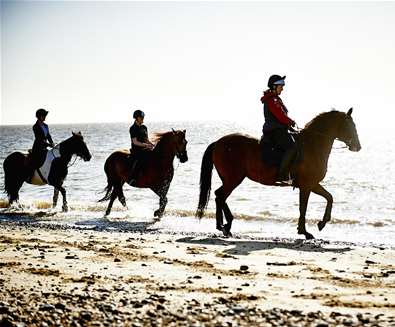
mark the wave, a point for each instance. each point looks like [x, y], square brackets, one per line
[41, 208]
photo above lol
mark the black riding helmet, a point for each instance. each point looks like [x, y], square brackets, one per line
[41, 112]
[275, 80]
[138, 113]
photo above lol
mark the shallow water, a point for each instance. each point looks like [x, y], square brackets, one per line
[362, 185]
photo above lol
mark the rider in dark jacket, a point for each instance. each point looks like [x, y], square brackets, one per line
[139, 143]
[42, 139]
[278, 123]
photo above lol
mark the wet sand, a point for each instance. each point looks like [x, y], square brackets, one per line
[58, 276]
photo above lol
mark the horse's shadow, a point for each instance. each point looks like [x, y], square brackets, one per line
[41, 219]
[245, 247]
[106, 225]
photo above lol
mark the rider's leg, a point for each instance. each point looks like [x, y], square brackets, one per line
[287, 143]
[133, 171]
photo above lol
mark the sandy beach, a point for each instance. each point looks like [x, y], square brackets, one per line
[59, 276]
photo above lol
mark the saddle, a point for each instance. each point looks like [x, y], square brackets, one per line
[272, 155]
[40, 175]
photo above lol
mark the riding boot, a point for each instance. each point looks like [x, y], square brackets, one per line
[132, 177]
[283, 171]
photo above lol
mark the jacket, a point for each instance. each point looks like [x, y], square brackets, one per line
[275, 112]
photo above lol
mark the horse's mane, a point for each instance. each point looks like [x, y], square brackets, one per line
[157, 137]
[321, 120]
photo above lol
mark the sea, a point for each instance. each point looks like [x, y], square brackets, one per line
[362, 184]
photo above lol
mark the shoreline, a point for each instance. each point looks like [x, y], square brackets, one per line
[67, 276]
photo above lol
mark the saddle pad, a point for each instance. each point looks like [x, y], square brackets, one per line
[40, 176]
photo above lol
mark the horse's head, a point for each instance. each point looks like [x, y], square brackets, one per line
[347, 132]
[78, 146]
[173, 143]
[180, 145]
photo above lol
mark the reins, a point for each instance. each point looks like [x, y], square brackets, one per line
[326, 135]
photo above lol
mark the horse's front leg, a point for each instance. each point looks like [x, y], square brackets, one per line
[303, 200]
[328, 210]
[162, 193]
[55, 197]
[62, 190]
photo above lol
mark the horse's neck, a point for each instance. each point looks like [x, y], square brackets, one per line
[65, 152]
[164, 153]
[319, 141]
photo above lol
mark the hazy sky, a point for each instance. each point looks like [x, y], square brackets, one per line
[99, 61]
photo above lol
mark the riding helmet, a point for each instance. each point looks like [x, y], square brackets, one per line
[138, 113]
[41, 112]
[275, 80]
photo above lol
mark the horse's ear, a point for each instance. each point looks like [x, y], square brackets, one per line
[174, 132]
[73, 133]
[184, 131]
[349, 112]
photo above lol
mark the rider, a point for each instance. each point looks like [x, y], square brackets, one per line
[139, 143]
[277, 124]
[42, 139]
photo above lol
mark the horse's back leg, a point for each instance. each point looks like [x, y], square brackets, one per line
[121, 196]
[219, 205]
[328, 209]
[221, 195]
[55, 197]
[116, 192]
[304, 195]
[113, 196]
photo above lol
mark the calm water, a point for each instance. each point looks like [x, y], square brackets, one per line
[362, 185]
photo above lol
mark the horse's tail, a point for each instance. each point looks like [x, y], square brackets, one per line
[109, 186]
[205, 180]
[7, 177]
[14, 175]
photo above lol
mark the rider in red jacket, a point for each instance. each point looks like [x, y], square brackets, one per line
[278, 123]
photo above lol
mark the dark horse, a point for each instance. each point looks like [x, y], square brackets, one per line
[238, 156]
[156, 173]
[16, 169]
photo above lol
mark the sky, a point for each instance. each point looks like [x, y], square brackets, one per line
[95, 61]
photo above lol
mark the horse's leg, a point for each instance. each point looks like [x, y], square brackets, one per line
[327, 215]
[113, 196]
[14, 192]
[121, 196]
[62, 190]
[55, 197]
[162, 193]
[303, 199]
[219, 204]
[222, 196]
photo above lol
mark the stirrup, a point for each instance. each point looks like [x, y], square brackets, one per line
[288, 181]
[132, 181]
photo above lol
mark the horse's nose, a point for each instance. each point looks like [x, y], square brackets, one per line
[356, 147]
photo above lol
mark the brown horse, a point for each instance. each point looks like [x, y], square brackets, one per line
[17, 169]
[156, 173]
[238, 156]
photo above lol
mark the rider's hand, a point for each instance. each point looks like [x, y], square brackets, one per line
[149, 146]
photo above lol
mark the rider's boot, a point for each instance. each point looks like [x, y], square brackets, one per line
[132, 175]
[283, 172]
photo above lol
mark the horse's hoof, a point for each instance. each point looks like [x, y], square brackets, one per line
[226, 232]
[158, 214]
[321, 225]
[309, 236]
